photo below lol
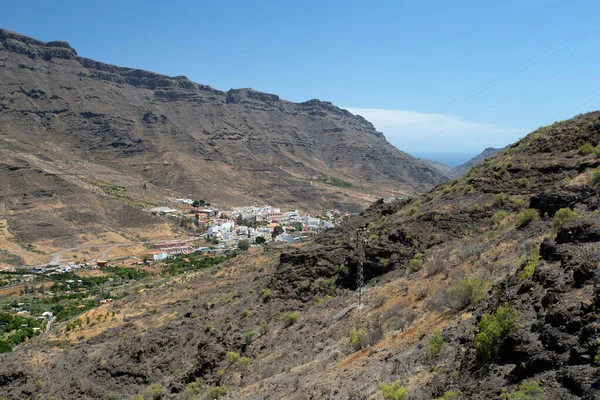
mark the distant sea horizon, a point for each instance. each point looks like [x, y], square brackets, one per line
[450, 159]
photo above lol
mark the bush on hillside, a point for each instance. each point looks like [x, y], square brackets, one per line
[290, 318]
[527, 217]
[527, 390]
[434, 345]
[416, 263]
[393, 391]
[563, 216]
[492, 329]
[466, 292]
[585, 149]
[498, 217]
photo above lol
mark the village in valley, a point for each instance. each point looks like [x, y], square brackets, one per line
[34, 298]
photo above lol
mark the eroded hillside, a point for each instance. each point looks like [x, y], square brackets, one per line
[485, 284]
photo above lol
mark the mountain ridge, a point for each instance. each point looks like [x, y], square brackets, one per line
[90, 121]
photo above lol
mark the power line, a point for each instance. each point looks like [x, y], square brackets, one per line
[507, 75]
[504, 100]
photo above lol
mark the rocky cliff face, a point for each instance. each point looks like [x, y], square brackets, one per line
[230, 147]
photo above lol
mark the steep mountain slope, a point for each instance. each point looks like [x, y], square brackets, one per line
[441, 167]
[231, 148]
[462, 169]
[487, 283]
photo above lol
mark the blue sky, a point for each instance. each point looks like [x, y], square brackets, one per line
[409, 67]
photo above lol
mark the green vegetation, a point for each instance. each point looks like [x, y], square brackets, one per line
[393, 391]
[416, 263]
[232, 357]
[498, 217]
[492, 329]
[585, 149]
[265, 294]
[474, 208]
[14, 330]
[434, 345]
[530, 265]
[468, 189]
[260, 240]
[523, 182]
[527, 217]
[155, 391]
[290, 318]
[451, 395]
[597, 356]
[5, 347]
[356, 339]
[500, 199]
[192, 262]
[466, 292]
[517, 202]
[594, 178]
[527, 390]
[564, 216]
[217, 392]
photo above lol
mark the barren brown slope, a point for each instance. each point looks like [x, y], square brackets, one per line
[230, 148]
[472, 234]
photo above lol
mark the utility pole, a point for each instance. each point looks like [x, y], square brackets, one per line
[361, 241]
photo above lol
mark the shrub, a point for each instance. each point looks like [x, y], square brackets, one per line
[468, 189]
[526, 217]
[527, 390]
[265, 294]
[260, 240]
[218, 392]
[585, 149]
[498, 217]
[356, 339]
[383, 262]
[474, 208]
[451, 395]
[393, 391]
[466, 292]
[500, 199]
[244, 361]
[290, 318]
[597, 356]
[156, 391]
[594, 178]
[523, 182]
[416, 263]
[492, 329]
[434, 345]
[529, 268]
[248, 338]
[517, 203]
[232, 357]
[435, 266]
[5, 347]
[563, 216]
[193, 389]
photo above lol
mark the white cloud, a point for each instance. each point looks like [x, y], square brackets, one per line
[417, 132]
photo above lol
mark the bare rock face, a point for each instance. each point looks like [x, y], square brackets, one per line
[232, 147]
